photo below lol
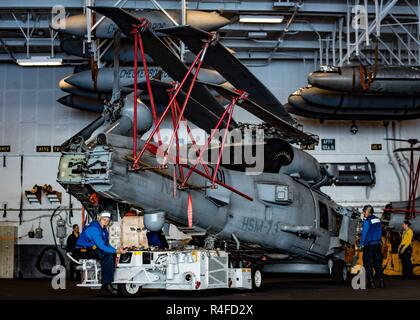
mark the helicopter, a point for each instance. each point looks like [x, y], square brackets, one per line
[267, 199]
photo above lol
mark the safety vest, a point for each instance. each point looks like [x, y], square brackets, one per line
[374, 234]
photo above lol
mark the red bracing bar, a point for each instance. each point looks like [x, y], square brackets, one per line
[213, 132]
[218, 182]
[243, 95]
[190, 211]
[409, 214]
[414, 186]
[401, 210]
[181, 114]
[411, 181]
[149, 87]
[172, 105]
[135, 31]
[136, 160]
[153, 149]
[177, 109]
[138, 42]
[174, 116]
[219, 158]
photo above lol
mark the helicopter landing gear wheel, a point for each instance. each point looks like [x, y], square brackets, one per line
[340, 272]
[129, 290]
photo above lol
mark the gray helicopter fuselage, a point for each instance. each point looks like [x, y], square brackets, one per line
[284, 213]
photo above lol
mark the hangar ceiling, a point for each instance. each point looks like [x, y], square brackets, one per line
[321, 31]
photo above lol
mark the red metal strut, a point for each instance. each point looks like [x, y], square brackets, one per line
[243, 95]
[153, 150]
[181, 113]
[414, 183]
[138, 43]
[137, 159]
[134, 32]
[177, 115]
[228, 111]
[194, 143]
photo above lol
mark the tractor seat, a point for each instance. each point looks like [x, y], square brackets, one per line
[84, 253]
[87, 261]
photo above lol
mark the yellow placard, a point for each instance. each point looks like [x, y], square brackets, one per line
[195, 255]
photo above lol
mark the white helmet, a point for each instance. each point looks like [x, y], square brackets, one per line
[105, 214]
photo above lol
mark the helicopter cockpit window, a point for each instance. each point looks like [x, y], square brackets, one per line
[336, 221]
[323, 216]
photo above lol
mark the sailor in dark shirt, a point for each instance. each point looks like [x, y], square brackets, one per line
[71, 245]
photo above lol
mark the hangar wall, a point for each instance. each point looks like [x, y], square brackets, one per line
[30, 116]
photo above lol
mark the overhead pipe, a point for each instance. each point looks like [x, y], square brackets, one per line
[356, 31]
[392, 160]
[405, 162]
[280, 39]
[285, 31]
[347, 33]
[334, 34]
[377, 17]
[340, 42]
[183, 22]
[399, 160]
[366, 22]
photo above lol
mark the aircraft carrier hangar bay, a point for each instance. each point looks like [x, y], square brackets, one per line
[222, 144]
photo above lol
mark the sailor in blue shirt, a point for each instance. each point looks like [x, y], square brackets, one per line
[371, 242]
[95, 236]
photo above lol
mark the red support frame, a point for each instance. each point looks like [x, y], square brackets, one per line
[149, 86]
[414, 183]
[137, 159]
[184, 106]
[176, 110]
[138, 43]
[228, 111]
[177, 116]
[153, 150]
[243, 95]
[134, 32]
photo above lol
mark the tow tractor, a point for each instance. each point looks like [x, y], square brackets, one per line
[188, 269]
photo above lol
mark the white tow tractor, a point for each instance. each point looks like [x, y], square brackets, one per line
[187, 269]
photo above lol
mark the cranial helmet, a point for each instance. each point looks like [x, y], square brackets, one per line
[105, 214]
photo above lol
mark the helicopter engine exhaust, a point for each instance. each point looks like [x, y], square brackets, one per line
[304, 166]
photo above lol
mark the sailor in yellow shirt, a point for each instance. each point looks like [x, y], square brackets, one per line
[405, 249]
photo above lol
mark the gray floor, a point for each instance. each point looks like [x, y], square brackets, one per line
[275, 288]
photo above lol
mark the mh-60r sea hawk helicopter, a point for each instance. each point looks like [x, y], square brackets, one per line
[281, 212]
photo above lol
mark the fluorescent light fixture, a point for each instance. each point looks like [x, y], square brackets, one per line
[37, 61]
[260, 19]
[257, 35]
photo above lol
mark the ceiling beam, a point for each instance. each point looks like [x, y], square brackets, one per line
[39, 42]
[309, 6]
[293, 44]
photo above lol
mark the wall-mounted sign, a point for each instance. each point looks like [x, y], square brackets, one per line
[56, 148]
[43, 148]
[307, 146]
[328, 144]
[376, 146]
[352, 173]
[5, 148]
